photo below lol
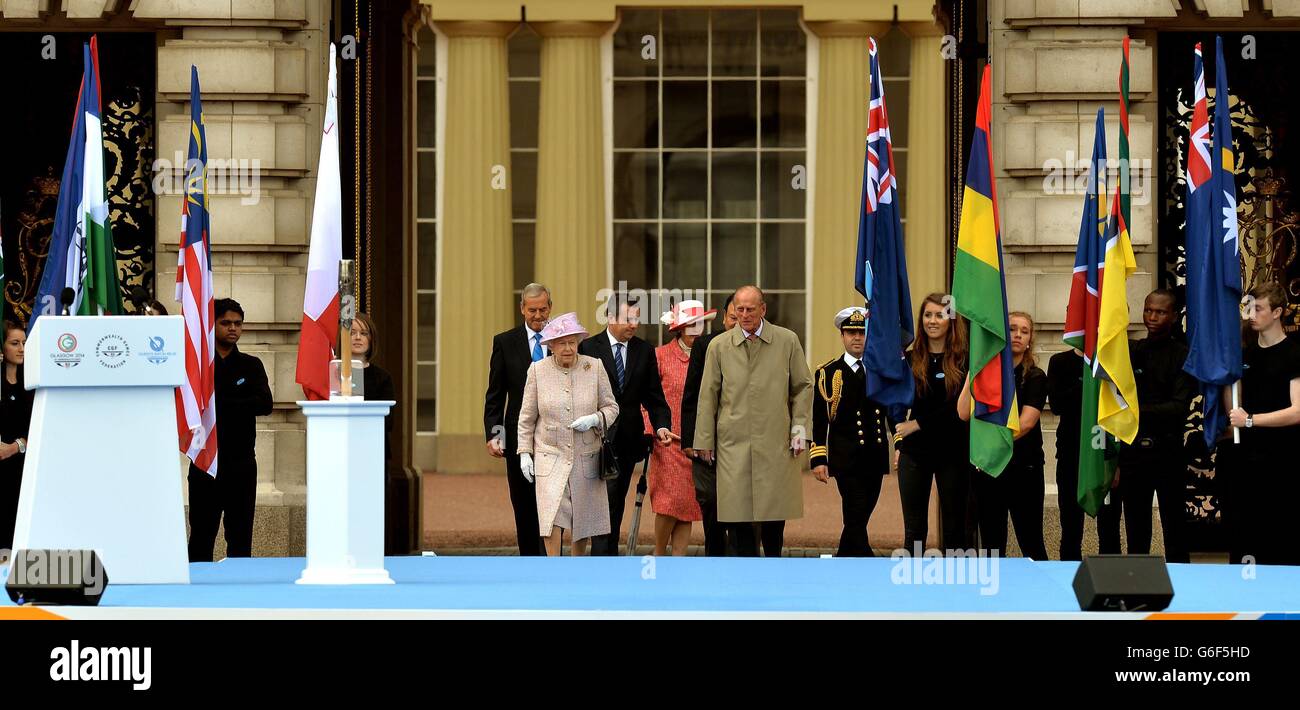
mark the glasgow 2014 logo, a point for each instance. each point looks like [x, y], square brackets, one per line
[67, 355]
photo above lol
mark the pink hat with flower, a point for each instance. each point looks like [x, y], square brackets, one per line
[685, 313]
[562, 326]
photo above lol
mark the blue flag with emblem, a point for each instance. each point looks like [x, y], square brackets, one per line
[881, 271]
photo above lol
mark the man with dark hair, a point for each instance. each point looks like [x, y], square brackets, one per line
[633, 371]
[1154, 462]
[705, 474]
[242, 395]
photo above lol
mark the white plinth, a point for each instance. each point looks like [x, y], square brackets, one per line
[103, 469]
[345, 492]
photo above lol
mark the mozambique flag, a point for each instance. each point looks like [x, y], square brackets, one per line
[1117, 405]
[980, 294]
[1082, 316]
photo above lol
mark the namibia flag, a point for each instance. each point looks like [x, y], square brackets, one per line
[980, 294]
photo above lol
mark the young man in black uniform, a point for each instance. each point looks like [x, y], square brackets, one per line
[849, 434]
[242, 395]
[1065, 398]
[1261, 487]
[1154, 462]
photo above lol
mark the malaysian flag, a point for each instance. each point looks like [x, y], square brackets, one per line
[196, 406]
[881, 271]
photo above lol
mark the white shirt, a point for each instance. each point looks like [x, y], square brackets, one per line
[531, 334]
[612, 343]
[756, 333]
[851, 361]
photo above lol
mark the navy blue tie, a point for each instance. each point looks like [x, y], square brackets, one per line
[537, 347]
[618, 364]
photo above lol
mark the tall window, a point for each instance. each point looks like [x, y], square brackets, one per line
[710, 156]
[525, 87]
[426, 246]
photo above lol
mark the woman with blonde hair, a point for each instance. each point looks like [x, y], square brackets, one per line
[567, 404]
[1019, 488]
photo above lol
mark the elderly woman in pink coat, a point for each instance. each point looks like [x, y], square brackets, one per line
[567, 403]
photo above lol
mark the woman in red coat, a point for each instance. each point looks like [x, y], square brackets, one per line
[672, 487]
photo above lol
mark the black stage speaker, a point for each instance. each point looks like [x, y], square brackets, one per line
[1123, 583]
[62, 577]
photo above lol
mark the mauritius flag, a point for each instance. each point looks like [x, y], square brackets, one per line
[1082, 322]
[980, 293]
[81, 255]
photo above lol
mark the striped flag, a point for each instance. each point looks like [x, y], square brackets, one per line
[1117, 404]
[881, 274]
[320, 306]
[1082, 316]
[980, 293]
[1213, 265]
[81, 254]
[196, 404]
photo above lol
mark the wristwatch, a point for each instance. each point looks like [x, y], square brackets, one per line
[22, 445]
[1250, 421]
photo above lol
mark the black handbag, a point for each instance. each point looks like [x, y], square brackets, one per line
[608, 459]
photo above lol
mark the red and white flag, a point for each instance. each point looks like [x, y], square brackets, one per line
[196, 404]
[320, 306]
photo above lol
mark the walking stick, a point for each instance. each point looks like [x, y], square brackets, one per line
[640, 497]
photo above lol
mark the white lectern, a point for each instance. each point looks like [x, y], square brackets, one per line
[102, 469]
[345, 492]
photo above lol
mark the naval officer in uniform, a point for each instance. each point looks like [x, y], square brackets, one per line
[849, 434]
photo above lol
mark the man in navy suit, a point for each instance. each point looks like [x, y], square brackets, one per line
[512, 353]
[634, 373]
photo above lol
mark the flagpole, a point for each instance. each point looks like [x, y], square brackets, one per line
[1236, 402]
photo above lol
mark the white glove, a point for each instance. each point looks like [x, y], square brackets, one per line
[585, 423]
[526, 466]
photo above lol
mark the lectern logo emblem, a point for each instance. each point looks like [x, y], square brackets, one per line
[67, 355]
[157, 356]
[112, 351]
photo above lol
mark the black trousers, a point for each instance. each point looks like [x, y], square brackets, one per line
[11, 484]
[859, 493]
[1067, 496]
[628, 458]
[1164, 475]
[523, 498]
[747, 536]
[1258, 490]
[1019, 490]
[706, 494]
[953, 478]
[233, 493]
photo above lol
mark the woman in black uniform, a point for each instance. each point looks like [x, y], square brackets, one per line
[933, 444]
[15, 417]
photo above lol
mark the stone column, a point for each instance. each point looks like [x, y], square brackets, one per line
[926, 181]
[842, 93]
[571, 209]
[474, 298]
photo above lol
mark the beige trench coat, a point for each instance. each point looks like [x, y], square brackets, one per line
[753, 396]
[553, 397]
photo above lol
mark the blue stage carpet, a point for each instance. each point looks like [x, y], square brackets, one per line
[692, 585]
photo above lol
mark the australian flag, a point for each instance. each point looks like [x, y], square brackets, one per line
[1213, 261]
[881, 273]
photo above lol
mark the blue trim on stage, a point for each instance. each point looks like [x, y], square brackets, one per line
[692, 584]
